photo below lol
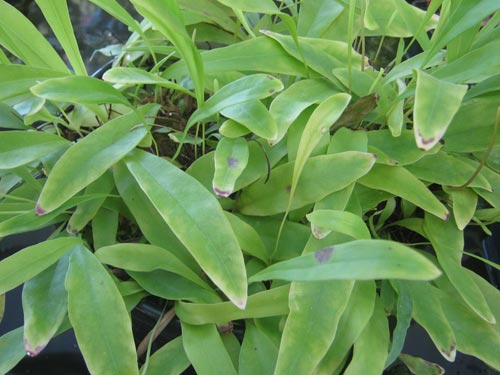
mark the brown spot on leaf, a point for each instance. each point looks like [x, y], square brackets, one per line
[232, 162]
[288, 188]
[226, 328]
[271, 91]
[39, 210]
[269, 77]
[323, 255]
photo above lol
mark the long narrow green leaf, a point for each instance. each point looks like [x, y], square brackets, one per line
[257, 6]
[316, 16]
[258, 352]
[18, 148]
[436, 102]
[32, 260]
[134, 76]
[145, 258]
[170, 359]
[205, 350]
[57, 15]
[370, 350]
[231, 158]
[88, 159]
[79, 89]
[289, 104]
[356, 316]
[114, 8]
[323, 117]
[400, 182]
[356, 260]
[166, 16]
[447, 241]
[248, 238]
[308, 329]
[92, 294]
[11, 349]
[428, 312]
[195, 217]
[322, 175]
[44, 306]
[271, 302]
[325, 221]
[29, 45]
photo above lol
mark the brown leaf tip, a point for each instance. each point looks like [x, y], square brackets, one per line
[222, 193]
[32, 352]
[39, 210]
[323, 255]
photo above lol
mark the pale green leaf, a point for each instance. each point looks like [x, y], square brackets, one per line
[194, 216]
[30, 261]
[44, 306]
[231, 158]
[89, 159]
[436, 102]
[92, 294]
[170, 359]
[18, 148]
[258, 352]
[325, 221]
[205, 350]
[400, 182]
[356, 260]
[57, 15]
[322, 175]
[11, 349]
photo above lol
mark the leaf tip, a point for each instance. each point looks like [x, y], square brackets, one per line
[39, 210]
[449, 353]
[32, 352]
[241, 304]
[71, 230]
[222, 193]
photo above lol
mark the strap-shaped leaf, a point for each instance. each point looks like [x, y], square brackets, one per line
[92, 295]
[447, 241]
[57, 15]
[271, 302]
[196, 218]
[325, 221]
[89, 159]
[370, 350]
[258, 351]
[356, 260]
[29, 45]
[428, 312]
[356, 316]
[400, 182]
[79, 89]
[436, 102]
[145, 258]
[205, 350]
[308, 329]
[254, 116]
[231, 158]
[32, 260]
[44, 305]
[18, 148]
[170, 359]
[11, 349]
[321, 176]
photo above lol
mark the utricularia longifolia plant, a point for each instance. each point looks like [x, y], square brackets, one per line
[266, 168]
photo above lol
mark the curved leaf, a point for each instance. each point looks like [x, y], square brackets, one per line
[205, 349]
[92, 295]
[325, 221]
[79, 89]
[170, 359]
[322, 175]
[44, 306]
[11, 349]
[57, 15]
[356, 260]
[18, 148]
[88, 159]
[32, 260]
[400, 182]
[231, 158]
[145, 258]
[196, 218]
[308, 329]
[436, 102]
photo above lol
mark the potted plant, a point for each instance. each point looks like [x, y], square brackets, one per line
[252, 166]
